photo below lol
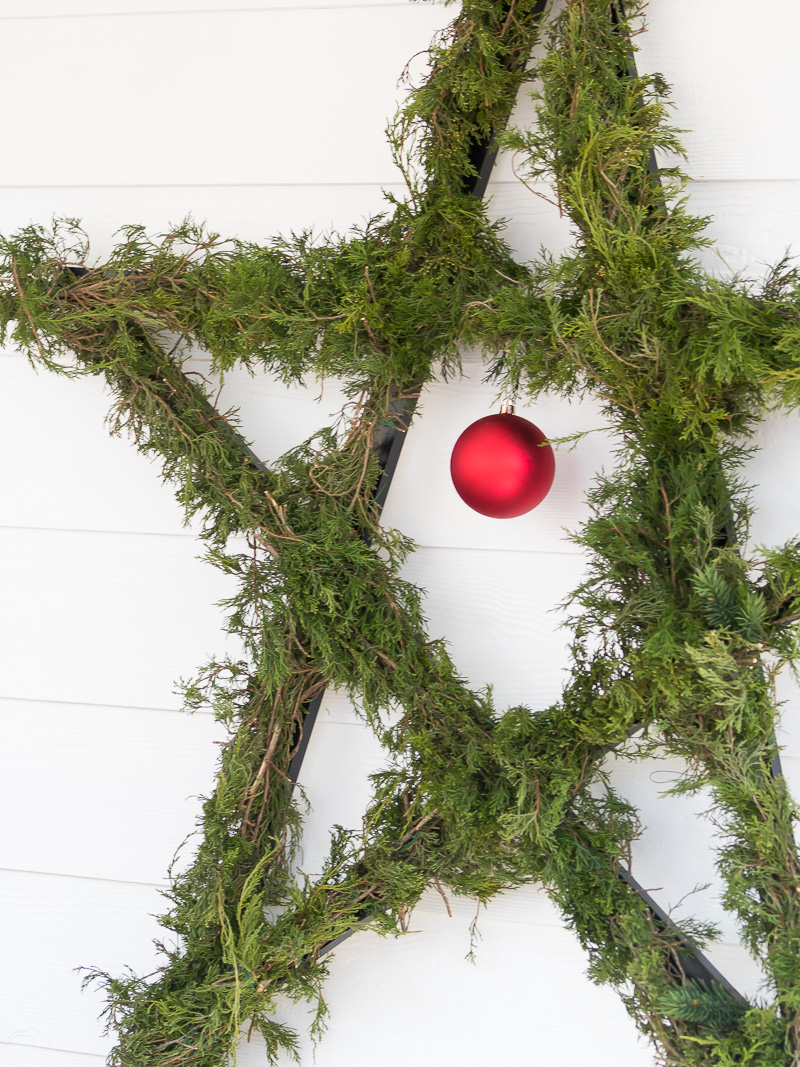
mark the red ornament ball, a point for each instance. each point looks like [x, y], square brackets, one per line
[502, 466]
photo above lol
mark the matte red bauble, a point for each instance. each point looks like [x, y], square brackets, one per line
[502, 466]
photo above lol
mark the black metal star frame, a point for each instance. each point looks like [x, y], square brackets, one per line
[475, 801]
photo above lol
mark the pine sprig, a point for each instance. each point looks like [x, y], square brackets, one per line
[704, 1003]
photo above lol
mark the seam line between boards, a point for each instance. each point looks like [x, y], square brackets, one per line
[262, 10]
[217, 185]
[557, 924]
[569, 553]
[503, 183]
[95, 704]
[83, 877]
[52, 1048]
[206, 713]
[84, 530]
[180, 711]
[162, 885]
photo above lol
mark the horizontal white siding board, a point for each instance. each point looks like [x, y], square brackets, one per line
[532, 219]
[272, 416]
[674, 858]
[417, 999]
[60, 9]
[213, 98]
[255, 213]
[52, 925]
[790, 766]
[336, 707]
[772, 474]
[521, 993]
[752, 223]
[15, 1055]
[787, 691]
[106, 618]
[117, 790]
[740, 969]
[75, 475]
[335, 779]
[95, 481]
[499, 613]
[734, 80]
[77, 9]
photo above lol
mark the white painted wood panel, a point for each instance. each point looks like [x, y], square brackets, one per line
[117, 789]
[532, 220]
[63, 588]
[91, 480]
[499, 612]
[249, 212]
[336, 707]
[59, 9]
[518, 996]
[14, 1055]
[274, 417]
[739, 125]
[733, 81]
[772, 473]
[787, 691]
[216, 97]
[335, 779]
[74, 474]
[790, 758]
[418, 1000]
[674, 859]
[106, 618]
[752, 223]
[52, 925]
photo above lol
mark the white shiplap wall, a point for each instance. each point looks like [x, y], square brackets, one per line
[262, 118]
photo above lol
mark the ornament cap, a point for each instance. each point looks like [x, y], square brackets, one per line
[507, 407]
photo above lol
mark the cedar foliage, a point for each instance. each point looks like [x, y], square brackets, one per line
[671, 625]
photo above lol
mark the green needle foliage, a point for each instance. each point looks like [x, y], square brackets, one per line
[674, 630]
[702, 1002]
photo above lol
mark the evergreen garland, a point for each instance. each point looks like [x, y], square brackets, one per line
[671, 626]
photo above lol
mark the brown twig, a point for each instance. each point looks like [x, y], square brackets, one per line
[25, 309]
[369, 283]
[509, 18]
